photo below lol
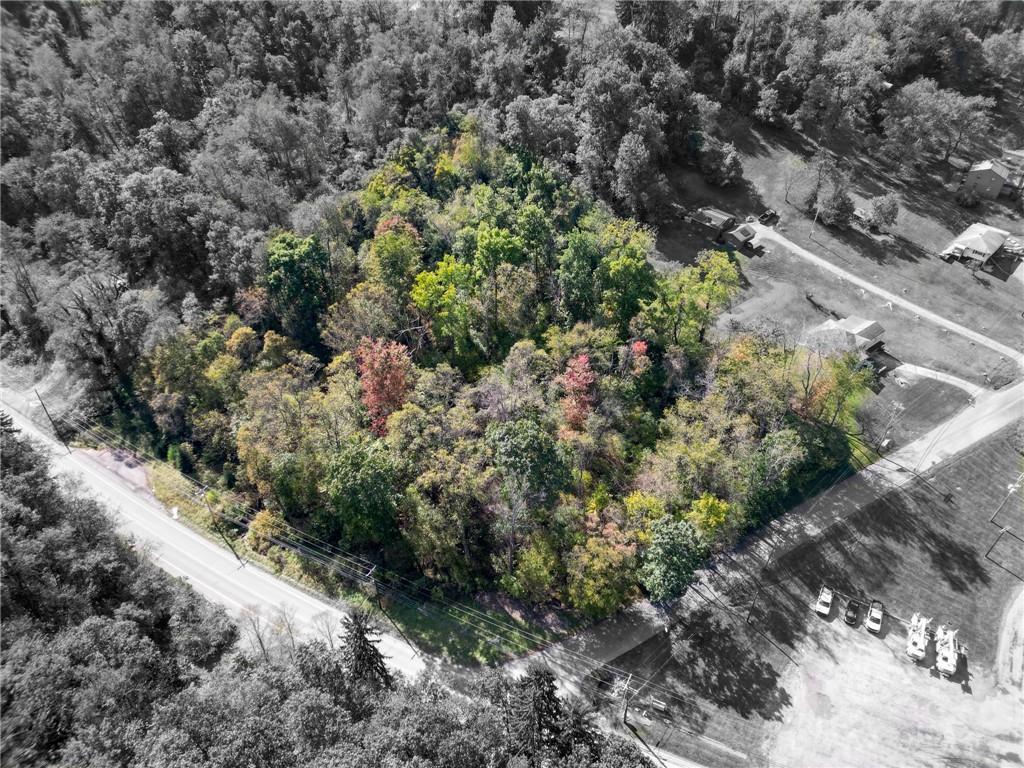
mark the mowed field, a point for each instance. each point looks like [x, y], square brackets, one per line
[929, 219]
[752, 674]
[776, 286]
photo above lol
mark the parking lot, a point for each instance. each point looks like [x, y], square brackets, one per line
[756, 675]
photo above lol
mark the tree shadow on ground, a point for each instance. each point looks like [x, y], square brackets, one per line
[760, 141]
[713, 660]
[862, 555]
[920, 517]
[652, 663]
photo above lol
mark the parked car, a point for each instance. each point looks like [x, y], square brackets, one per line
[874, 618]
[824, 604]
[768, 217]
[852, 612]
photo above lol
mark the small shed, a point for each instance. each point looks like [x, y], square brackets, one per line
[741, 236]
[848, 334]
[979, 242]
[987, 179]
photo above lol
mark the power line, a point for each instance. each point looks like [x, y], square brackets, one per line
[332, 557]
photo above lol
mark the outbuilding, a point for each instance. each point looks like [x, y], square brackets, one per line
[987, 179]
[741, 236]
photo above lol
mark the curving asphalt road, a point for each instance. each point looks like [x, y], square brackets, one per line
[212, 570]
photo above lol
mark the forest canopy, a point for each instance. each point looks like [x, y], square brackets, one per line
[383, 270]
[108, 661]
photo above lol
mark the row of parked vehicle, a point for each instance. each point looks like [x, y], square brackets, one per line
[948, 650]
[851, 615]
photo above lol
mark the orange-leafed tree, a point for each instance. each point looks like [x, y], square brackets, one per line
[385, 377]
[578, 384]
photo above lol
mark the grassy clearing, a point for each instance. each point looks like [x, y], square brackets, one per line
[929, 218]
[777, 284]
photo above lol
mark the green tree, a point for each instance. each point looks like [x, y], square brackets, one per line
[298, 283]
[687, 303]
[627, 280]
[537, 571]
[527, 458]
[577, 266]
[535, 231]
[711, 516]
[884, 210]
[442, 294]
[359, 481]
[395, 256]
[601, 574]
[495, 247]
[674, 554]
[536, 714]
[363, 661]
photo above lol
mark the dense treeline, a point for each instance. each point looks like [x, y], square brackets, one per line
[94, 635]
[364, 263]
[109, 662]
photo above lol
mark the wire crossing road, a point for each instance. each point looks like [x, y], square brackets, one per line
[212, 570]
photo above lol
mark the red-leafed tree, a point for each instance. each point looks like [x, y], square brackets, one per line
[578, 383]
[640, 363]
[385, 376]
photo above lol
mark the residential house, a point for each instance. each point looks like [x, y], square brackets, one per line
[849, 334]
[713, 220]
[977, 243]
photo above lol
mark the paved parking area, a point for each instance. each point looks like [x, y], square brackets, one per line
[756, 676]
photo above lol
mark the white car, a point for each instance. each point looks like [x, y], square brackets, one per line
[824, 604]
[875, 613]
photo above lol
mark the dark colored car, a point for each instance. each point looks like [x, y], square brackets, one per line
[852, 612]
[768, 217]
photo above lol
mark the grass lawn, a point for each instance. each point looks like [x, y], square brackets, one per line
[929, 219]
[775, 293]
[922, 405]
[737, 683]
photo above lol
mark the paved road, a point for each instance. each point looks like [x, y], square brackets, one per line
[766, 235]
[211, 570]
[216, 574]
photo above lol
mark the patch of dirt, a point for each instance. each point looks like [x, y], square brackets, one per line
[124, 464]
[547, 618]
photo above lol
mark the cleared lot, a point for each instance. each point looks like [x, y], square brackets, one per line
[797, 689]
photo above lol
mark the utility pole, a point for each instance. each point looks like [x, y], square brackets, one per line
[625, 699]
[218, 525]
[52, 422]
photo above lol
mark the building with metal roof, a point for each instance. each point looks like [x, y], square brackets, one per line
[979, 242]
